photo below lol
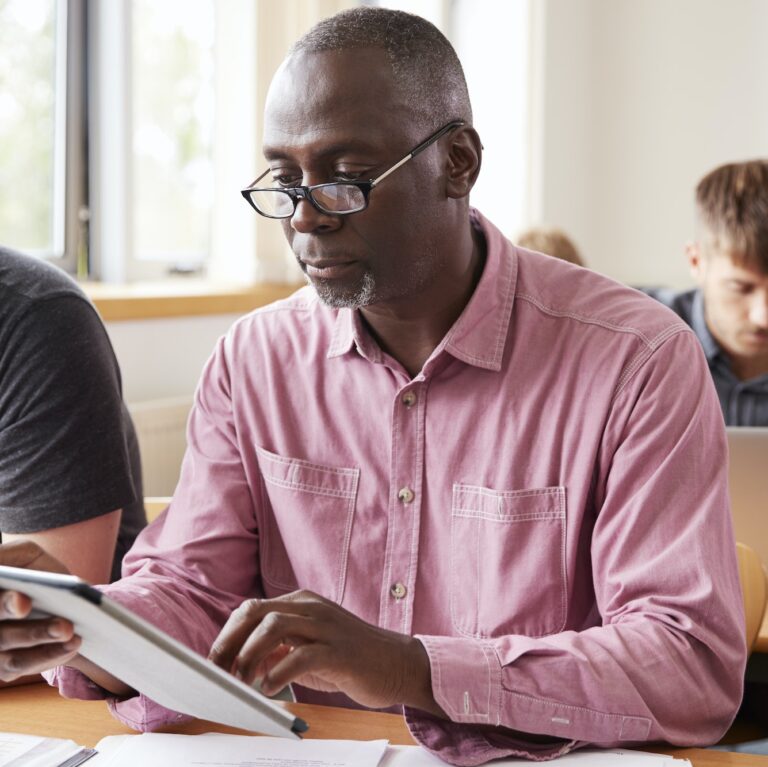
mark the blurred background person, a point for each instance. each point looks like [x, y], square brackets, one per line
[728, 310]
[551, 241]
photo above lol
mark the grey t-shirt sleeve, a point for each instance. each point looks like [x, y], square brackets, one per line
[63, 452]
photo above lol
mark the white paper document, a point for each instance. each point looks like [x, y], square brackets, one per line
[218, 750]
[34, 751]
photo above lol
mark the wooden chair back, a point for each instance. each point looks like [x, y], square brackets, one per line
[754, 590]
[154, 505]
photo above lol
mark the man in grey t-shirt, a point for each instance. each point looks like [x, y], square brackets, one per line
[70, 476]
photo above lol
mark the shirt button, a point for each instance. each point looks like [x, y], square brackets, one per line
[409, 399]
[405, 495]
[398, 591]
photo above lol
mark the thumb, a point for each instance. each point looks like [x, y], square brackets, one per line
[29, 556]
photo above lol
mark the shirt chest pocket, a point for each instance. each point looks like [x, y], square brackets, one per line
[305, 524]
[508, 561]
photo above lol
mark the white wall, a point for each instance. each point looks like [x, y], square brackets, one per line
[164, 358]
[641, 98]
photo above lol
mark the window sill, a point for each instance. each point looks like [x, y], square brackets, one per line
[183, 298]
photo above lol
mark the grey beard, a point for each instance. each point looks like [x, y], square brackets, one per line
[363, 294]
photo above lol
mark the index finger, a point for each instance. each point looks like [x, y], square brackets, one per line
[235, 631]
[249, 615]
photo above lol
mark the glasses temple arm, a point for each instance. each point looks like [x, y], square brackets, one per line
[256, 180]
[420, 148]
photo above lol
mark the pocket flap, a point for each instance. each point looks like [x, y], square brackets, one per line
[510, 506]
[303, 475]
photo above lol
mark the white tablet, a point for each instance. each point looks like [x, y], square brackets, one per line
[149, 660]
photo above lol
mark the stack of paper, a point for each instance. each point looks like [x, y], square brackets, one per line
[33, 751]
[159, 750]
[215, 749]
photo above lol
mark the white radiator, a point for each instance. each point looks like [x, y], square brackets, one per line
[161, 426]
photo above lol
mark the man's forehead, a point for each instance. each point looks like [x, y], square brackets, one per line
[333, 81]
[731, 265]
[333, 72]
[360, 127]
[333, 96]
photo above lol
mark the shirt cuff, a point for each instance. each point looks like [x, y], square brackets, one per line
[142, 714]
[466, 684]
[74, 684]
[138, 713]
[466, 678]
[468, 745]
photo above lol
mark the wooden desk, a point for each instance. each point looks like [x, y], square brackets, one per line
[37, 709]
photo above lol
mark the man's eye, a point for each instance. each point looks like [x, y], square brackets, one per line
[347, 175]
[285, 180]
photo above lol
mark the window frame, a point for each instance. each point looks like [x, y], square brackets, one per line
[93, 154]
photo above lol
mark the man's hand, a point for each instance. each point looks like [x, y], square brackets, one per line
[304, 638]
[31, 646]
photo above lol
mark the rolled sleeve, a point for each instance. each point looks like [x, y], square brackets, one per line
[466, 683]
[73, 684]
[137, 712]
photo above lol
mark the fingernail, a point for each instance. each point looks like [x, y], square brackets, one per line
[10, 604]
[73, 644]
[56, 630]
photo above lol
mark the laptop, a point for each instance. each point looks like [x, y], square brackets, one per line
[748, 484]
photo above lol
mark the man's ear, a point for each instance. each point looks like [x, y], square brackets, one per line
[694, 258]
[465, 156]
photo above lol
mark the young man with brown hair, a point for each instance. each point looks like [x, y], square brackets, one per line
[728, 310]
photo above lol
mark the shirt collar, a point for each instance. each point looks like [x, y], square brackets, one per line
[699, 325]
[478, 336]
[348, 333]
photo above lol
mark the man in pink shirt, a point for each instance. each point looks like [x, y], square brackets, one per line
[450, 475]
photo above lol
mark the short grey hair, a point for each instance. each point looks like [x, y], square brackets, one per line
[424, 64]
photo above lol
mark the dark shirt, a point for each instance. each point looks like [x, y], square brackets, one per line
[68, 449]
[744, 403]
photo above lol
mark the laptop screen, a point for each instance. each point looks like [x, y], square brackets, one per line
[748, 484]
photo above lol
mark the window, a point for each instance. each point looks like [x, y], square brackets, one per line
[40, 173]
[111, 139]
[153, 135]
[172, 116]
[175, 91]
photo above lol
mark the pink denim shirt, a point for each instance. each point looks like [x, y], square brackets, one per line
[544, 505]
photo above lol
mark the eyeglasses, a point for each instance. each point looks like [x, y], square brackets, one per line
[338, 198]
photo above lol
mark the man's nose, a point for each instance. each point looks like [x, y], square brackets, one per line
[758, 310]
[307, 219]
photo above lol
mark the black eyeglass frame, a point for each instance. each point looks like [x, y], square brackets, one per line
[297, 193]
